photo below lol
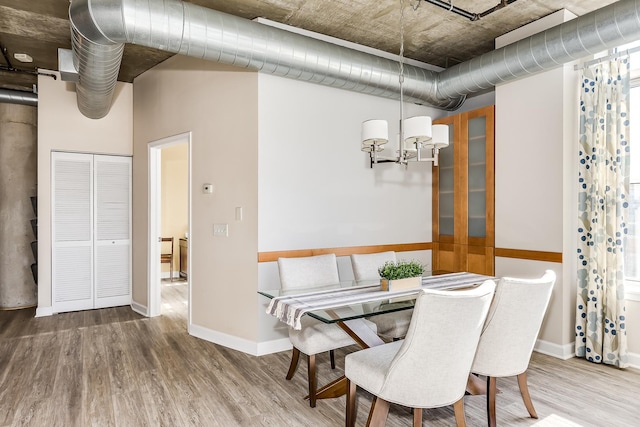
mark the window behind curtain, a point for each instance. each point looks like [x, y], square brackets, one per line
[632, 239]
[632, 242]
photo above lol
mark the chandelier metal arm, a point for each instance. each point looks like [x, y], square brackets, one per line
[404, 159]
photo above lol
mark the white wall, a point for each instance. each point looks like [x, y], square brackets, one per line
[316, 189]
[530, 117]
[315, 185]
[61, 127]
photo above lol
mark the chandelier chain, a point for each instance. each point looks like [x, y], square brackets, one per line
[401, 41]
[401, 76]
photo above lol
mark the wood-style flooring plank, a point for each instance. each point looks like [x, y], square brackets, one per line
[130, 410]
[122, 376]
[42, 381]
[15, 323]
[158, 400]
[97, 397]
[33, 412]
[7, 351]
[140, 346]
[68, 389]
[17, 378]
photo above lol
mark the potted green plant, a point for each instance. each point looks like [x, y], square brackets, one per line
[401, 275]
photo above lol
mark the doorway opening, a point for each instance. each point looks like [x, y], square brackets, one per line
[169, 286]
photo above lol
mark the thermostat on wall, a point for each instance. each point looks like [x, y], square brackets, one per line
[207, 188]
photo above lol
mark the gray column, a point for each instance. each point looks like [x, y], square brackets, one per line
[18, 178]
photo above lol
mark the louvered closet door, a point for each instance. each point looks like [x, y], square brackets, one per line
[112, 231]
[72, 228]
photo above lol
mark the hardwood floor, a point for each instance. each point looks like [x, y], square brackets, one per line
[113, 367]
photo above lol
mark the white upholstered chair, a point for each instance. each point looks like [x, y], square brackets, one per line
[430, 367]
[510, 333]
[390, 326]
[315, 336]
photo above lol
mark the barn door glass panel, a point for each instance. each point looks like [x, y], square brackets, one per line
[445, 189]
[477, 185]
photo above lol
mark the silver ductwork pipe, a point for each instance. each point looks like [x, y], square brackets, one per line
[17, 97]
[602, 29]
[101, 27]
[98, 65]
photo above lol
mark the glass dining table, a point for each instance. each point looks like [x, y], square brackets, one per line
[348, 303]
[348, 311]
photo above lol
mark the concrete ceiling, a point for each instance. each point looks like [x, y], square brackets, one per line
[432, 34]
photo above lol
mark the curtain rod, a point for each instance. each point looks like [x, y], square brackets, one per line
[606, 58]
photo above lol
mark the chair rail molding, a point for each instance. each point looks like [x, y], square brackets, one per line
[344, 251]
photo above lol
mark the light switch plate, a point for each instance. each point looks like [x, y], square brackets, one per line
[221, 230]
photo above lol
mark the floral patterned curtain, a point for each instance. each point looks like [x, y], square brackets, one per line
[603, 187]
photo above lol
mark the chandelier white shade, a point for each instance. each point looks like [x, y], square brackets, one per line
[417, 131]
[440, 136]
[375, 133]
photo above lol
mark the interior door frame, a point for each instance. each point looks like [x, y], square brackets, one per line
[154, 287]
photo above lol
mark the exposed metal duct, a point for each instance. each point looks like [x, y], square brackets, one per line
[17, 97]
[602, 29]
[101, 27]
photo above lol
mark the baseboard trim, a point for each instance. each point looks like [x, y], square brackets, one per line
[240, 344]
[274, 346]
[567, 351]
[44, 311]
[139, 308]
[223, 339]
[564, 352]
[634, 360]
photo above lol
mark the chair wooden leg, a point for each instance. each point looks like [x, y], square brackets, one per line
[311, 369]
[332, 356]
[295, 357]
[351, 404]
[378, 413]
[417, 417]
[524, 391]
[491, 401]
[458, 409]
[171, 271]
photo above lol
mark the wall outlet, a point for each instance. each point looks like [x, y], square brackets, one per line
[221, 230]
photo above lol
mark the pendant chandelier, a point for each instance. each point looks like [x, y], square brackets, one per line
[419, 141]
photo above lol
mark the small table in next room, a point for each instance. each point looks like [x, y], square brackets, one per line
[184, 249]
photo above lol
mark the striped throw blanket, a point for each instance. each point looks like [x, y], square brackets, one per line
[290, 308]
